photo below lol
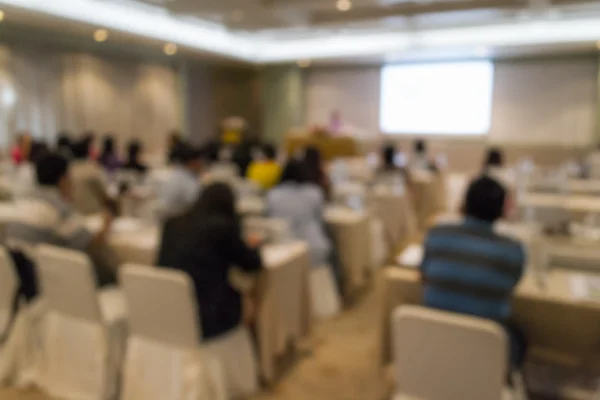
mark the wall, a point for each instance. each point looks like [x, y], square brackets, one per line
[47, 91]
[536, 102]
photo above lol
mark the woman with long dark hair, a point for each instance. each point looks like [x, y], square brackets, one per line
[206, 242]
[315, 170]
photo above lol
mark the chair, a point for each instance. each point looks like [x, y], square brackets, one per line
[84, 331]
[325, 300]
[164, 359]
[444, 356]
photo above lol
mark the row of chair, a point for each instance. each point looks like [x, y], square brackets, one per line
[73, 341]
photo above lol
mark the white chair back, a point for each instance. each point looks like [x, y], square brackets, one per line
[68, 284]
[162, 305]
[445, 356]
[9, 284]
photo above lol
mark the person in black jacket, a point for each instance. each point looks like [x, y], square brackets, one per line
[133, 162]
[206, 242]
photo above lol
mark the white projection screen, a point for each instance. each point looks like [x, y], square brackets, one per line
[452, 98]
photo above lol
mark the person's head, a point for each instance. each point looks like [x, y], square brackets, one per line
[486, 200]
[312, 157]
[174, 138]
[269, 152]
[52, 169]
[133, 151]
[216, 199]
[81, 149]
[420, 147]
[294, 172]
[389, 156]
[189, 156]
[108, 145]
[38, 149]
[63, 141]
[494, 158]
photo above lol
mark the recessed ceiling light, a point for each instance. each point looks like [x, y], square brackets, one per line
[303, 63]
[101, 35]
[170, 49]
[237, 15]
[343, 5]
[1, 15]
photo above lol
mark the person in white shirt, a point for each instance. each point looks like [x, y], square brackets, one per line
[181, 190]
[494, 167]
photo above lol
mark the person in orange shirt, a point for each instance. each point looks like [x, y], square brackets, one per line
[265, 172]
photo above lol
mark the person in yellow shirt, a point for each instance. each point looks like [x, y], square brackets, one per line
[265, 172]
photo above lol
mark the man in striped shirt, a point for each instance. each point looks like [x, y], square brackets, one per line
[470, 269]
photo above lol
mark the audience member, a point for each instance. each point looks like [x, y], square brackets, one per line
[206, 242]
[20, 151]
[25, 180]
[174, 141]
[389, 170]
[90, 189]
[64, 144]
[266, 171]
[47, 217]
[468, 268]
[109, 158]
[182, 188]
[90, 138]
[301, 203]
[133, 158]
[494, 168]
[242, 155]
[420, 159]
[316, 171]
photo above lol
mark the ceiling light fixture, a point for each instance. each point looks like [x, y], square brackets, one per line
[343, 5]
[170, 49]
[303, 63]
[1, 15]
[100, 35]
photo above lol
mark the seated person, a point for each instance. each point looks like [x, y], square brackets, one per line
[182, 188]
[133, 158]
[315, 170]
[25, 180]
[109, 157]
[299, 201]
[467, 268]
[389, 170]
[494, 168]
[206, 242]
[420, 159]
[64, 145]
[90, 191]
[265, 172]
[47, 217]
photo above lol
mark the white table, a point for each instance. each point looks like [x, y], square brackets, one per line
[571, 203]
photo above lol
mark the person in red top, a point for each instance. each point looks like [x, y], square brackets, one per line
[20, 152]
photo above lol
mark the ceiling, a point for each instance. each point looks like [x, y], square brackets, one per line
[273, 31]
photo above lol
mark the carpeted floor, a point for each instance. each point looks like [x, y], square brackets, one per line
[341, 365]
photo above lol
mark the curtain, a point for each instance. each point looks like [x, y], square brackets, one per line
[44, 92]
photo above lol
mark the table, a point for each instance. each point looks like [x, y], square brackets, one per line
[567, 202]
[284, 314]
[329, 147]
[351, 233]
[558, 328]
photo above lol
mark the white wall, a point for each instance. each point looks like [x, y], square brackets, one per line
[545, 101]
[44, 92]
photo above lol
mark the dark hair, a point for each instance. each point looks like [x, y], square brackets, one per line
[216, 199]
[389, 155]
[313, 164]
[485, 199]
[494, 158]
[108, 148]
[133, 150]
[420, 146]
[50, 168]
[63, 140]
[38, 150]
[295, 171]
[269, 151]
[81, 149]
[185, 153]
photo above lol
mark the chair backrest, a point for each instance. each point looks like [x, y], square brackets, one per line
[9, 284]
[161, 305]
[68, 283]
[445, 356]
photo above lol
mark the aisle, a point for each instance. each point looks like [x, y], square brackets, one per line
[342, 365]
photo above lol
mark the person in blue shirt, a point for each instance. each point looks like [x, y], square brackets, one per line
[470, 269]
